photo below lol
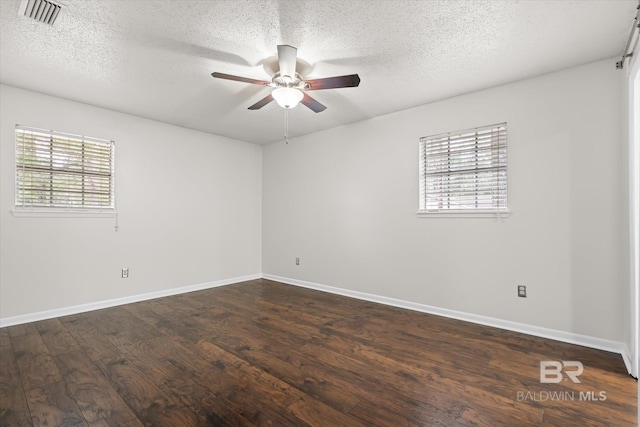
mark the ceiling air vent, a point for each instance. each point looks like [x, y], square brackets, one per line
[44, 11]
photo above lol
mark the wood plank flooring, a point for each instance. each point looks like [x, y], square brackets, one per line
[262, 353]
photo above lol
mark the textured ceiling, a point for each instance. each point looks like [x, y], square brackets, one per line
[154, 58]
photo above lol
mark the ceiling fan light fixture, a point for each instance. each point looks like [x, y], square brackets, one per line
[287, 97]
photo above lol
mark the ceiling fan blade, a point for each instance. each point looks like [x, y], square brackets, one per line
[264, 101]
[287, 56]
[239, 79]
[312, 104]
[351, 80]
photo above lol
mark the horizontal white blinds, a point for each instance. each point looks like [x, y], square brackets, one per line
[465, 170]
[58, 170]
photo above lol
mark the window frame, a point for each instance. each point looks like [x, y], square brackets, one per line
[493, 212]
[78, 211]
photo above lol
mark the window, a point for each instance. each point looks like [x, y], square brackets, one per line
[58, 171]
[464, 171]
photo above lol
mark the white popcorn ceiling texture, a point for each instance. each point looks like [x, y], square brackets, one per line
[154, 59]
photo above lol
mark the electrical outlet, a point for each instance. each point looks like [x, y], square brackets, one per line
[297, 261]
[125, 273]
[522, 291]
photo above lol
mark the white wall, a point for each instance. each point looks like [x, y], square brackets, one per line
[345, 202]
[189, 210]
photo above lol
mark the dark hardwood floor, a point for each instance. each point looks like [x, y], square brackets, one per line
[265, 353]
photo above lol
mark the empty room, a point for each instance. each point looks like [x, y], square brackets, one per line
[319, 213]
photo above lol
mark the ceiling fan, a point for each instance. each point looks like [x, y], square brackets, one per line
[289, 88]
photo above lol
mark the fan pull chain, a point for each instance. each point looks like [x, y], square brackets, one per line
[286, 125]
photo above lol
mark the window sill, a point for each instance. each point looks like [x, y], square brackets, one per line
[62, 213]
[466, 213]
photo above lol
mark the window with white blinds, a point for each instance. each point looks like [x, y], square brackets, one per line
[464, 171]
[61, 171]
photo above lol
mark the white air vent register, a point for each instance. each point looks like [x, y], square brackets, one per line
[44, 11]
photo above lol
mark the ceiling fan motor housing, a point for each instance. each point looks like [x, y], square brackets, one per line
[288, 81]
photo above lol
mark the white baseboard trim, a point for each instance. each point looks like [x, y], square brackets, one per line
[554, 334]
[82, 308]
[626, 356]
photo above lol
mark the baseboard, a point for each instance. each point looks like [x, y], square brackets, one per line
[82, 308]
[568, 337]
[626, 356]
